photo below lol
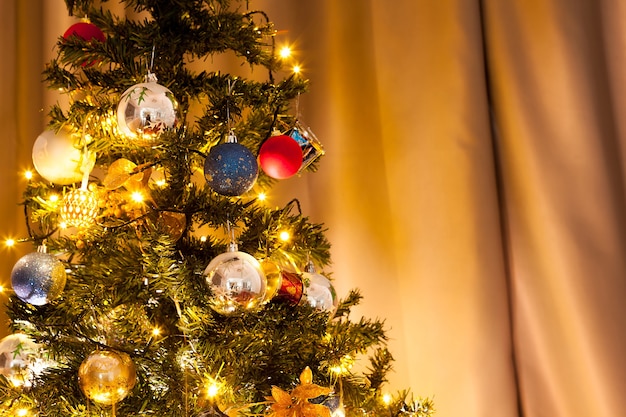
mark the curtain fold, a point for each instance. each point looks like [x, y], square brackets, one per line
[473, 186]
[561, 159]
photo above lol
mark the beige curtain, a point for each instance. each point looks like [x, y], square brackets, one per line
[473, 186]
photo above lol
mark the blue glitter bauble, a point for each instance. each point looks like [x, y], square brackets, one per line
[38, 278]
[230, 169]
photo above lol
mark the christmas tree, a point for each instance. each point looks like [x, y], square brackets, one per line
[160, 282]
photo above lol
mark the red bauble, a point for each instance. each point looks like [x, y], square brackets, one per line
[86, 31]
[280, 157]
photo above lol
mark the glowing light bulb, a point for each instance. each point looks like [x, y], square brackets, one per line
[160, 183]
[1, 289]
[156, 331]
[137, 197]
[262, 197]
[284, 236]
[22, 412]
[285, 52]
[202, 238]
[212, 390]
[296, 69]
[9, 242]
[387, 399]
[28, 174]
[53, 198]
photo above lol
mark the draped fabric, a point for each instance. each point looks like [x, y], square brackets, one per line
[473, 187]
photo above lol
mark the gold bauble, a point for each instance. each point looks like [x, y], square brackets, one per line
[106, 377]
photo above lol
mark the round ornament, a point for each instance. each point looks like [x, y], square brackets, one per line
[85, 30]
[230, 169]
[106, 377]
[88, 32]
[80, 208]
[56, 157]
[237, 282]
[318, 291]
[146, 110]
[20, 359]
[291, 288]
[280, 157]
[38, 278]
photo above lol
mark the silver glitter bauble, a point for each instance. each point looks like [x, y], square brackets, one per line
[38, 278]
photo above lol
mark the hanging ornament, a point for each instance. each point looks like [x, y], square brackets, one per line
[230, 168]
[38, 277]
[311, 147]
[57, 159]
[291, 288]
[237, 282]
[80, 208]
[85, 30]
[106, 377]
[280, 156]
[273, 275]
[88, 32]
[318, 291]
[146, 110]
[21, 359]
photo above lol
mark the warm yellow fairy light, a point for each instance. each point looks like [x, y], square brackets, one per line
[53, 198]
[262, 197]
[160, 183]
[28, 174]
[156, 331]
[296, 69]
[202, 238]
[344, 365]
[9, 242]
[22, 412]
[284, 236]
[63, 225]
[1, 289]
[387, 399]
[285, 52]
[212, 389]
[137, 197]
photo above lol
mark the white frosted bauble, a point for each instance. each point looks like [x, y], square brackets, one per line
[56, 157]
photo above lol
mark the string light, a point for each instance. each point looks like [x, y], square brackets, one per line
[156, 331]
[28, 174]
[284, 236]
[137, 196]
[262, 196]
[53, 198]
[285, 52]
[296, 69]
[9, 242]
[387, 399]
[203, 239]
[22, 412]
